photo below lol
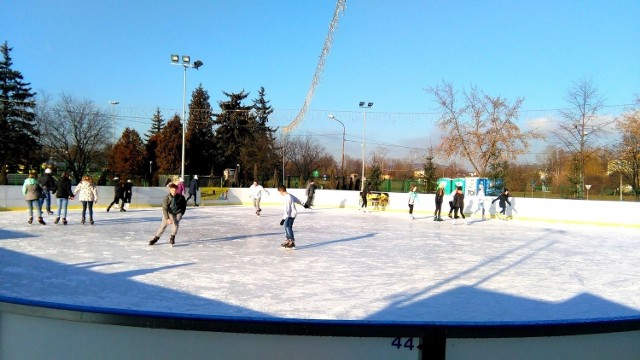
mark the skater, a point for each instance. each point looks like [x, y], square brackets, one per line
[180, 190]
[32, 193]
[88, 196]
[439, 200]
[174, 206]
[290, 213]
[63, 195]
[255, 191]
[194, 186]
[118, 194]
[310, 193]
[48, 185]
[502, 200]
[128, 193]
[413, 197]
[366, 191]
[481, 200]
[458, 205]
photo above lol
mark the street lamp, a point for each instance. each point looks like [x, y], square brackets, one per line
[186, 63]
[587, 187]
[113, 116]
[364, 107]
[343, 133]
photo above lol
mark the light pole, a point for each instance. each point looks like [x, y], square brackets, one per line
[364, 107]
[343, 133]
[186, 63]
[113, 117]
[150, 172]
[587, 186]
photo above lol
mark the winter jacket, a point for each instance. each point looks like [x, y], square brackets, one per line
[290, 202]
[439, 197]
[63, 190]
[458, 200]
[173, 205]
[119, 190]
[502, 199]
[194, 186]
[88, 191]
[180, 190]
[413, 197]
[47, 182]
[31, 189]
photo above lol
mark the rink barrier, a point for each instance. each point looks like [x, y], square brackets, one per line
[605, 213]
[36, 330]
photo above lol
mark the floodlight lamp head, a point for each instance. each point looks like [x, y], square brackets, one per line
[186, 59]
[175, 58]
[331, 116]
[361, 103]
[370, 104]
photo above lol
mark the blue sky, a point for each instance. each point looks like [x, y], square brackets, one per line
[386, 52]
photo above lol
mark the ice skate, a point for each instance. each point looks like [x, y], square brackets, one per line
[172, 240]
[154, 240]
[41, 221]
[57, 220]
[30, 221]
[82, 221]
[286, 243]
[291, 245]
[64, 221]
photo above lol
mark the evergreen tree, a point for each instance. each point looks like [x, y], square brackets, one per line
[169, 149]
[375, 177]
[430, 177]
[200, 138]
[258, 151]
[127, 157]
[157, 123]
[17, 118]
[234, 125]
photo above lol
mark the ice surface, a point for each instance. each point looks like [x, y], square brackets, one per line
[348, 265]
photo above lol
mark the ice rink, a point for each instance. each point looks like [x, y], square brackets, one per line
[348, 265]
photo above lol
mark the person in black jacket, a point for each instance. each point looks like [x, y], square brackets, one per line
[63, 194]
[502, 200]
[174, 206]
[48, 184]
[128, 192]
[194, 186]
[365, 192]
[118, 194]
[439, 200]
[458, 205]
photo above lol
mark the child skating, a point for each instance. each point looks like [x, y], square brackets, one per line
[173, 207]
[502, 200]
[289, 216]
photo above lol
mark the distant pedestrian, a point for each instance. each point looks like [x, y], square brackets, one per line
[413, 198]
[194, 186]
[174, 206]
[503, 200]
[32, 192]
[88, 195]
[439, 200]
[63, 195]
[481, 200]
[48, 185]
[310, 192]
[458, 205]
[255, 192]
[366, 191]
[289, 216]
[181, 187]
[118, 194]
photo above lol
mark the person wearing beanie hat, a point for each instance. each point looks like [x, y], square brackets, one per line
[194, 186]
[128, 193]
[48, 184]
[503, 199]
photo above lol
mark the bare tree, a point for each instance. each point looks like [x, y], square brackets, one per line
[628, 149]
[76, 132]
[308, 154]
[481, 130]
[582, 127]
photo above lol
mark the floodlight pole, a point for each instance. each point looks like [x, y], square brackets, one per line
[343, 135]
[113, 118]
[364, 107]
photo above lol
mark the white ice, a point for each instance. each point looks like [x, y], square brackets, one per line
[348, 265]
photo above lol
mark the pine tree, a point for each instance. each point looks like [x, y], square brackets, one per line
[127, 157]
[430, 176]
[17, 118]
[233, 126]
[200, 138]
[169, 149]
[157, 123]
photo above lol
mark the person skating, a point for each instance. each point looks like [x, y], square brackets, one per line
[413, 197]
[174, 206]
[439, 200]
[255, 191]
[181, 188]
[118, 194]
[88, 195]
[128, 193]
[366, 191]
[32, 193]
[458, 205]
[63, 195]
[289, 216]
[310, 192]
[48, 185]
[194, 186]
[481, 200]
[502, 200]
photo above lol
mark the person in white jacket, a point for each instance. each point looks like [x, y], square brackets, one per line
[290, 213]
[255, 191]
[481, 200]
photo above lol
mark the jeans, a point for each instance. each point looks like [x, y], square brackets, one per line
[47, 199]
[288, 228]
[37, 204]
[62, 206]
[88, 204]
